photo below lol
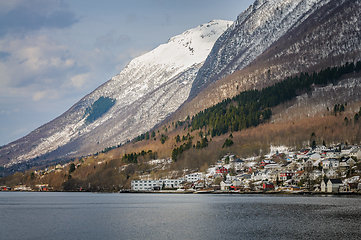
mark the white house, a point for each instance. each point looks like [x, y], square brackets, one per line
[330, 163]
[193, 177]
[333, 185]
[148, 185]
[238, 164]
[261, 175]
[315, 174]
[319, 149]
[331, 173]
[333, 154]
[225, 185]
[356, 152]
[314, 156]
[347, 162]
[323, 185]
[346, 151]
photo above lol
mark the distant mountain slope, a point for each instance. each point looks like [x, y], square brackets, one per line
[329, 37]
[255, 30]
[148, 90]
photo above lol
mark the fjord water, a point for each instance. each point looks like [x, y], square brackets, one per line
[177, 216]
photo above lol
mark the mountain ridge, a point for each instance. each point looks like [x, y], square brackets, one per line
[316, 35]
[150, 88]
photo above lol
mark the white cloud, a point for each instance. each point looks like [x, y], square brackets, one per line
[39, 95]
[33, 59]
[46, 94]
[79, 80]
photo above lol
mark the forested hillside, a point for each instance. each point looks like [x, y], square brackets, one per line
[252, 107]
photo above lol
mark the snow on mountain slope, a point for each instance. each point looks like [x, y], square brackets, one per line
[148, 90]
[328, 37]
[255, 30]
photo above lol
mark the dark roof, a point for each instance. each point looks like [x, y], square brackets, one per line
[238, 160]
[335, 180]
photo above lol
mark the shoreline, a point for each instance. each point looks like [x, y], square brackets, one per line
[216, 192]
[246, 193]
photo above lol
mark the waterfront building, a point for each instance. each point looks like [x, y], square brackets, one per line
[194, 177]
[149, 185]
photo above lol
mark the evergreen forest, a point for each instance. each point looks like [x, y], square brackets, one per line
[251, 108]
[98, 108]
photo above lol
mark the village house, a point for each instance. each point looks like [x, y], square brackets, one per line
[238, 164]
[227, 159]
[42, 187]
[346, 151]
[302, 153]
[198, 184]
[193, 177]
[225, 185]
[315, 174]
[221, 170]
[319, 149]
[5, 188]
[332, 185]
[356, 153]
[22, 188]
[299, 175]
[314, 156]
[330, 163]
[333, 154]
[273, 166]
[346, 163]
[266, 162]
[284, 175]
[331, 173]
[268, 186]
[244, 176]
[148, 185]
[261, 175]
[272, 176]
[292, 166]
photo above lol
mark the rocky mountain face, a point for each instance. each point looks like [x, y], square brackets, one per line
[328, 37]
[254, 31]
[148, 90]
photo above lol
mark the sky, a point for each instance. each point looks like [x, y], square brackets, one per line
[54, 52]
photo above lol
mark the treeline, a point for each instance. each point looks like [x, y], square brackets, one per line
[252, 107]
[179, 150]
[98, 108]
[133, 157]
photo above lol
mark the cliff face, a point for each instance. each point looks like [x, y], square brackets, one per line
[148, 90]
[327, 37]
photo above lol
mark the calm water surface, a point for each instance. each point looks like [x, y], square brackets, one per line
[172, 216]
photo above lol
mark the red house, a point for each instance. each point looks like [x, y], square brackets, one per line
[266, 162]
[268, 186]
[221, 170]
[283, 176]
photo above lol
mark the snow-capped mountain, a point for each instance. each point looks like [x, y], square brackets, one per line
[254, 31]
[271, 40]
[329, 36]
[148, 90]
